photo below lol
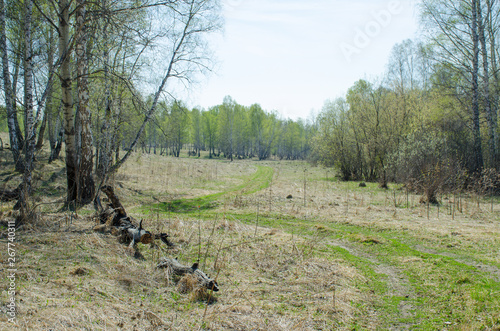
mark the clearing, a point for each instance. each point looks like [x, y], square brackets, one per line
[291, 247]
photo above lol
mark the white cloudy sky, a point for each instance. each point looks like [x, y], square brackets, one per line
[292, 55]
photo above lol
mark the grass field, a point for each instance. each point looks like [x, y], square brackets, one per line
[292, 248]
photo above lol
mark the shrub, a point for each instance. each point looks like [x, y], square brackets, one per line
[424, 163]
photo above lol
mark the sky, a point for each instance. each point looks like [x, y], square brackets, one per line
[290, 56]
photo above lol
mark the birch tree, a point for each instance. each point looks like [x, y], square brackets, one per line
[210, 129]
[491, 113]
[188, 21]
[28, 109]
[67, 100]
[465, 41]
[9, 93]
[476, 128]
[86, 186]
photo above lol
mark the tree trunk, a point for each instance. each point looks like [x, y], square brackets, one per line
[9, 97]
[86, 186]
[490, 113]
[117, 151]
[29, 135]
[105, 146]
[41, 133]
[19, 54]
[54, 153]
[47, 115]
[67, 100]
[115, 219]
[496, 78]
[52, 121]
[478, 154]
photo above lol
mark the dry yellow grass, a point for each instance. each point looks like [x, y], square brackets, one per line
[76, 279]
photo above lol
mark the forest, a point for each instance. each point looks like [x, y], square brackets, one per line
[432, 120]
[228, 130]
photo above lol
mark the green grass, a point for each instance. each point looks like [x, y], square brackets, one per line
[438, 288]
[436, 280]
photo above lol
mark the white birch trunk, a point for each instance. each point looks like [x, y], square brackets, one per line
[9, 97]
[85, 181]
[67, 101]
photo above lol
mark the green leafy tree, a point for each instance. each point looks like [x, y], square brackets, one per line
[178, 127]
[196, 131]
[210, 129]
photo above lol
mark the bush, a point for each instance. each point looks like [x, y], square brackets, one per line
[424, 163]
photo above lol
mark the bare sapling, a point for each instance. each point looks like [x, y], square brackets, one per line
[347, 199]
[453, 205]
[199, 235]
[257, 219]
[209, 242]
[270, 195]
[305, 186]
[407, 197]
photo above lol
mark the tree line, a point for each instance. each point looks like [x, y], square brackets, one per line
[432, 119]
[228, 130]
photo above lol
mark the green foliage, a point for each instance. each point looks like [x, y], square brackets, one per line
[334, 145]
[415, 126]
[210, 129]
[357, 133]
[196, 131]
[230, 129]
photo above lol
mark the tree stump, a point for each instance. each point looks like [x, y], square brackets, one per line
[114, 220]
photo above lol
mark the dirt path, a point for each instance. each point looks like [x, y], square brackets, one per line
[493, 271]
[398, 285]
[260, 180]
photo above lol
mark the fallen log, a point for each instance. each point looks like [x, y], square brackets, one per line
[180, 270]
[115, 220]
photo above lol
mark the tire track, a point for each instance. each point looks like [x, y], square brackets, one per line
[492, 271]
[398, 285]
